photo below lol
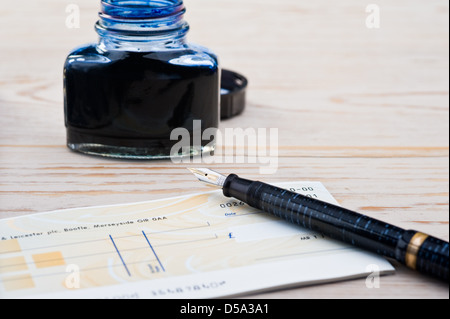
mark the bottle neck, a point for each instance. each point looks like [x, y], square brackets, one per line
[141, 25]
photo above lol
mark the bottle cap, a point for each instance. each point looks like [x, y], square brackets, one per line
[233, 91]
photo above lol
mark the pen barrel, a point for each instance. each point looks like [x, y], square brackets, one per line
[424, 253]
[430, 257]
[331, 220]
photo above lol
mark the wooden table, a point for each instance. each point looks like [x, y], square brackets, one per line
[363, 110]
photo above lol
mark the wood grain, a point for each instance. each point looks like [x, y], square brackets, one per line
[365, 111]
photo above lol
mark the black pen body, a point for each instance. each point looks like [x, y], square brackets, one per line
[416, 250]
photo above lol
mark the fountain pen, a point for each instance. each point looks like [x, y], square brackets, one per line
[416, 250]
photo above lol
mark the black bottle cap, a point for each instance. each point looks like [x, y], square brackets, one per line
[233, 91]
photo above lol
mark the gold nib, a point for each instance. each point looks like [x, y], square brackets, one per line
[209, 176]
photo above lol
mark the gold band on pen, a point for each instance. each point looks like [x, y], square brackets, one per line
[413, 249]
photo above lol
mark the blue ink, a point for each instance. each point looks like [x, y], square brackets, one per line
[154, 252]
[124, 95]
[120, 256]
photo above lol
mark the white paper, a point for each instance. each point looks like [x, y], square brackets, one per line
[197, 246]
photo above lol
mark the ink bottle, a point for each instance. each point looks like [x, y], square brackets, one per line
[124, 95]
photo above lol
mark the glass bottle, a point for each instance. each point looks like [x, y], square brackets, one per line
[126, 94]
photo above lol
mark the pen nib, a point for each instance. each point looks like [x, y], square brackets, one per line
[209, 176]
